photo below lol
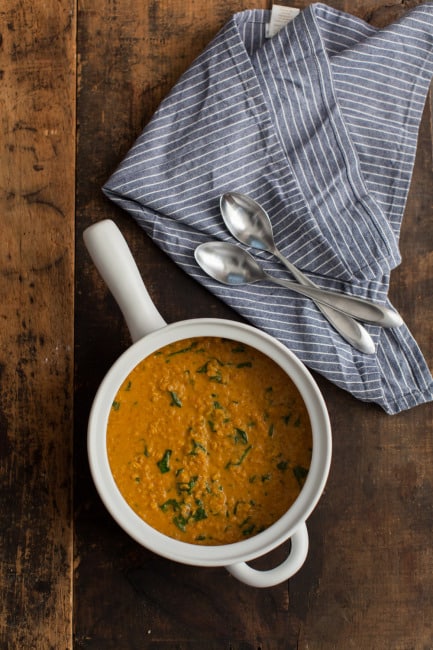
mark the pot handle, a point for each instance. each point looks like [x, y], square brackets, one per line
[113, 259]
[296, 558]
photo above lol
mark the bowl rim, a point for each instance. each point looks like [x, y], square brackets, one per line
[196, 554]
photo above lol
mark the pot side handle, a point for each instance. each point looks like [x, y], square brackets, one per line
[296, 558]
[113, 259]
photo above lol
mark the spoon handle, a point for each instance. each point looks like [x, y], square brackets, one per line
[297, 274]
[348, 328]
[359, 308]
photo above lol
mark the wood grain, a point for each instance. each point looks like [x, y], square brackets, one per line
[37, 138]
[365, 584]
[368, 579]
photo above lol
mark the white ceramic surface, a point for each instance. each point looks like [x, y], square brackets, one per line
[113, 259]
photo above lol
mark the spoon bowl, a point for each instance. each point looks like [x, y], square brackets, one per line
[247, 221]
[250, 224]
[228, 264]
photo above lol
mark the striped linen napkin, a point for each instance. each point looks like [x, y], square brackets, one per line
[319, 124]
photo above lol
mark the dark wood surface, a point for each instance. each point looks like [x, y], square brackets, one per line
[79, 81]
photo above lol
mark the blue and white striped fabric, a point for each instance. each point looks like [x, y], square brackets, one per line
[319, 124]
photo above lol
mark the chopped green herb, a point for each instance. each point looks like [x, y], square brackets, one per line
[175, 401]
[241, 459]
[240, 436]
[187, 349]
[239, 348]
[248, 531]
[180, 521]
[205, 366]
[286, 418]
[116, 406]
[266, 477]
[217, 405]
[217, 378]
[211, 425]
[246, 364]
[199, 514]
[187, 486]
[163, 464]
[128, 386]
[245, 521]
[300, 474]
[171, 503]
[196, 447]
[282, 465]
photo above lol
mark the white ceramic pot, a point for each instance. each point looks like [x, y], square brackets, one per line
[149, 332]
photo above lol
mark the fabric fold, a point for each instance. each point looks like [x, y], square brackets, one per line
[319, 124]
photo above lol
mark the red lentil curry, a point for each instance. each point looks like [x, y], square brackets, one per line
[209, 441]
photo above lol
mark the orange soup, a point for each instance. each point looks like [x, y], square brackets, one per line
[209, 441]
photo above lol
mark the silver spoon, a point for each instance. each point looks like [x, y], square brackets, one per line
[229, 264]
[250, 224]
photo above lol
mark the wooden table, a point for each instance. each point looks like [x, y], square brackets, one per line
[78, 82]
